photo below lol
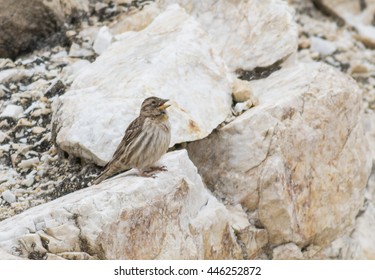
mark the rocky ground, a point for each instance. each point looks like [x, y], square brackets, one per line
[34, 170]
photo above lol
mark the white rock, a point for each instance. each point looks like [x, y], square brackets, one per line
[79, 51]
[4, 148]
[300, 158]
[363, 236]
[12, 111]
[129, 217]
[71, 71]
[14, 75]
[172, 58]
[288, 251]
[3, 136]
[353, 15]
[369, 126]
[263, 34]
[136, 21]
[61, 56]
[102, 40]
[29, 180]
[89, 34]
[8, 196]
[24, 122]
[241, 90]
[35, 105]
[322, 46]
[4, 255]
[360, 243]
[38, 129]
[28, 163]
[8, 177]
[248, 34]
[240, 107]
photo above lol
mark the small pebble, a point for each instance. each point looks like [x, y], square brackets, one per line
[359, 69]
[3, 136]
[322, 46]
[70, 33]
[304, 43]
[28, 163]
[8, 196]
[78, 51]
[241, 90]
[24, 122]
[38, 130]
[39, 112]
[12, 111]
[2, 93]
[4, 148]
[102, 40]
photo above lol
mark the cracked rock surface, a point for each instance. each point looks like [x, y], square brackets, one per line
[128, 217]
[286, 160]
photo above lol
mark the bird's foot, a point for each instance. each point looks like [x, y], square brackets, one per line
[157, 168]
[147, 174]
[150, 172]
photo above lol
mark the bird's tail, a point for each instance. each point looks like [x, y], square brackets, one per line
[109, 171]
[100, 178]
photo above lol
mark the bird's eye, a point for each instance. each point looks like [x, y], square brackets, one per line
[153, 102]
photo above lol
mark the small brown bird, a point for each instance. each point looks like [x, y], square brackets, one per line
[146, 139]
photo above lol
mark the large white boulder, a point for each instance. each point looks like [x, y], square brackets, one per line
[172, 58]
[127, 217]
[299, 159]
[247, 34]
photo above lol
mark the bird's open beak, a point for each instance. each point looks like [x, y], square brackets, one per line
[164, 104]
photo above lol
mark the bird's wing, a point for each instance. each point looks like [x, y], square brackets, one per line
[133, 130]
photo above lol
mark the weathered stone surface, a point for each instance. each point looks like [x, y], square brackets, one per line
[359, 14]
[4, 255]
[129, 217]
[288, 251]
[360, 243]
[172, 58]
[321, 46]
[136, 20]
[246, 33]
[23, 23]
[12, 111]
[13, 75]
[102, 40]
[300, 157]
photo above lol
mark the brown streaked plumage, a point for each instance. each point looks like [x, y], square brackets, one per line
[146, 139]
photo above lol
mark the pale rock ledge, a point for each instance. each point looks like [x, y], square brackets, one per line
[127, 217]
[300, 159]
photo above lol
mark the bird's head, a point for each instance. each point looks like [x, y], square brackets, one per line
[154, 107]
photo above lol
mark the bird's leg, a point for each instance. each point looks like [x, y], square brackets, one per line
[147, 174]
[157, 168]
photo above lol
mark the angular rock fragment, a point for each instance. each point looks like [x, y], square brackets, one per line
[300, 158]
